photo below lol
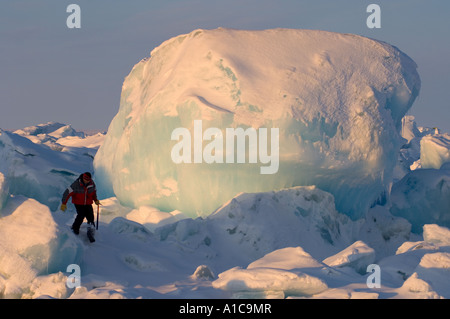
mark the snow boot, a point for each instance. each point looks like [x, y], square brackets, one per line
[91, 232]
[75, 231]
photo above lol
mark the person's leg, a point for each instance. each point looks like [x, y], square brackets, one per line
[79, 219]
[89, 214]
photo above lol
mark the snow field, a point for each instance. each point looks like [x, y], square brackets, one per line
[176, 260]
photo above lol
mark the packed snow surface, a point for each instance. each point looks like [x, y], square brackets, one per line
[337, 100]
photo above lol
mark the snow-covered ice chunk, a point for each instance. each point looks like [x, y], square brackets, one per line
[409, 156]
[48, 286]
[142, 263]
[101, 290]
[120, 225]
[62, 137]
[294, 283]
[383, 232]
[425, 148]
[431, 278]
[435, 269]
[30, 246]
[434, 150]
[111, 209]
[203, 272]
[436, 234]
[423, 197]
[87, 142]
[286, 258]
[337, 100]
[30, 225]
[414, 287]
[49, 128]
[36, 170]
[278, 273]
[402, 269]
[153, 218]
[357, 256]
[409, 129]
[254, 224]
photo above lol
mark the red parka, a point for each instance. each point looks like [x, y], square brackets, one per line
[82, 194]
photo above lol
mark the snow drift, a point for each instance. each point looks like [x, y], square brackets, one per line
[337, 100]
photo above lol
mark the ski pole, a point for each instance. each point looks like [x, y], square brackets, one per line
[98, 210]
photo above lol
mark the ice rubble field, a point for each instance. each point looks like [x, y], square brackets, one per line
[286, 244]
[297, 242]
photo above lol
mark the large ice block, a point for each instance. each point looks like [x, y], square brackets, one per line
[337, 101]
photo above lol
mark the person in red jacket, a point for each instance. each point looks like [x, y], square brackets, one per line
[84, 194]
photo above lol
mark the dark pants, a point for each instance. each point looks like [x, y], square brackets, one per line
[83, 211]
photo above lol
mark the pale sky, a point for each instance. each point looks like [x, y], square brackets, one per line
[74, 76]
